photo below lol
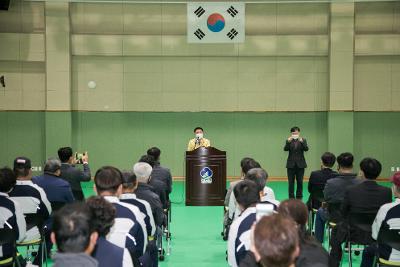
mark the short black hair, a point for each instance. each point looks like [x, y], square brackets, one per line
[294, 128]
[246, 193]
[345, 160]
[259, 176]
[108, 178]
[371, 168]
[198, 128]
[21, 172]
[128, 179]
[148, 159]
[72, 227]
[328, 159]
[64, 153]
[155, 152]
[103, 214]
[248, 163]
[7, 179]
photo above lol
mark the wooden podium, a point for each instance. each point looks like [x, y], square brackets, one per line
[205, 177]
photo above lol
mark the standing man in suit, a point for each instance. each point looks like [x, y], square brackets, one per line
[296, 162]
[198, 140]
[73, 175]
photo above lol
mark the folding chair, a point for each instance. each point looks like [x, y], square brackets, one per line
[333, 209]
[391, 238]
[316, 197]
[34, 220]
[360, 231]
[165, 230]
[8, 237]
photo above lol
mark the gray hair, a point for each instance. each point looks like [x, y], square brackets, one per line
[257, 175]
[142, 171]
[52, 165]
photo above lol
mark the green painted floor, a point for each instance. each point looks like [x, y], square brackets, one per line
[196, 240]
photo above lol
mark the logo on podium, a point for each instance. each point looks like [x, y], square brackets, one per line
[206, 175]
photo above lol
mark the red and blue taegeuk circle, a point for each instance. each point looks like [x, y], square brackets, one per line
[215, 22]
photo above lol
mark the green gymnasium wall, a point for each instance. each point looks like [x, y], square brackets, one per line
[119, 138]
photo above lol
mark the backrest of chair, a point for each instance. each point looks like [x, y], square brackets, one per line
[361, 220]
[317, 194]
[390, 237]
[33, 220]
[7, 235]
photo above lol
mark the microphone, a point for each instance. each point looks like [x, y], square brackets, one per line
[197, 140]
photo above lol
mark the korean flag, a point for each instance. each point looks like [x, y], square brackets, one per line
[219, 22]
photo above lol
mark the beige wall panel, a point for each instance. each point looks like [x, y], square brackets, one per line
[143, 45]
[173, 18]
[178, 46]
[299, 45]
[134, 101]
[341, 69]
[13, 100]
[142, 19]
[257, 64]
[34, 100]
[302, 18]
[218, 101]
[288, 101]
[380, 44]
[254, 82]
[250, 101]
[105, 45]
[97, 18]
[9, 46]
[143, 64]
[143, 83]
[181, 65]
[261, 19]
[259, 46]
[216, 83]
[182, 101]
[341, 101]
[375, 17]
[23, 16]
[218, 65]
[178, 83]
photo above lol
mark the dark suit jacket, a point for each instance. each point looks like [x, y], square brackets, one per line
[74, 177]
[164, 175]
[316, 185]
[366, 197]
[296, 153]
[146, 192]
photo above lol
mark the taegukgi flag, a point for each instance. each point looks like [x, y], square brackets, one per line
[219, 22]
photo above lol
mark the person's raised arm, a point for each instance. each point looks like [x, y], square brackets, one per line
[303, 142]
[287, 144]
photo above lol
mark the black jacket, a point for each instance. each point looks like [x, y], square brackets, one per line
[146, 192]
[74, 177]
[296, 153]
[316, 185]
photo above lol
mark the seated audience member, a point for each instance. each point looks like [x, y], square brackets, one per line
[129, 185]
[259, 176]
[388, 216]
[30, 197]
[275, 241]
[56, 189]
[105, 252]
[129, 230]
[247, 196]
[73, 175]
[334, 194]
[145, 191]
[366, 197]
[11, 215]
[311, 251]
[318, 179]
[159, 172]
[74, 235]
[246, 164]
[157, 186]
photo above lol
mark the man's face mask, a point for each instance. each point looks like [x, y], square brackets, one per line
[295, 136]
[199, 135]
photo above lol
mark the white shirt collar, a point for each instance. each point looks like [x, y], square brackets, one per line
[128, 196]
[3, 194]
[112, 199]
[24, 182]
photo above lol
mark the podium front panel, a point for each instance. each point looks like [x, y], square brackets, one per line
[205, 179]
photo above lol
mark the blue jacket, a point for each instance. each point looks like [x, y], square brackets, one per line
[56, 188]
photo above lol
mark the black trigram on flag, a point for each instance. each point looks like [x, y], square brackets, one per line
[199, 11]
[200, 34]
[232, 34]
[232, 11]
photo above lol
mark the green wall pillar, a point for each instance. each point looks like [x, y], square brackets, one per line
[340, 132]
[58, 131]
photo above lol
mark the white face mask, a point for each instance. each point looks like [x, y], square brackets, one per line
[295, 136]
[199, 136]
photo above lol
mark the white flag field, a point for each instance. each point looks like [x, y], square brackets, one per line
[218, 22]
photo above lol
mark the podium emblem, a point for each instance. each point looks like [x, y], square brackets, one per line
[206, 175]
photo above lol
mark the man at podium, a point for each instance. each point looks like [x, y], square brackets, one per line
[199, 140]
